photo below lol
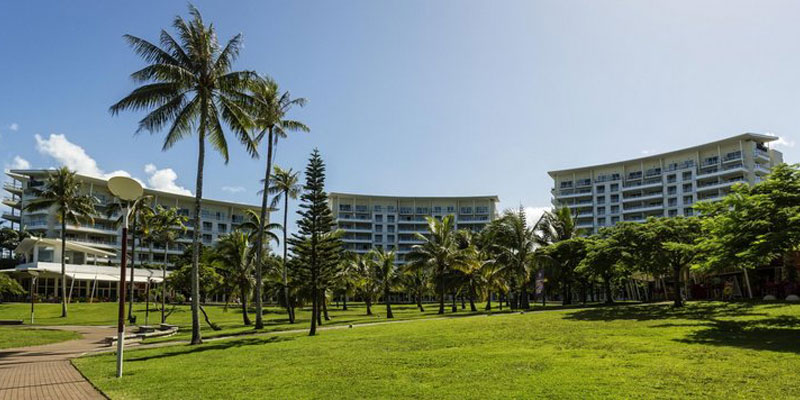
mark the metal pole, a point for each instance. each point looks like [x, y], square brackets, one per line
[121, 295]
[33, 294]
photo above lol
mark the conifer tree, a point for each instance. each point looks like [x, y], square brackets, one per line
[316, 245]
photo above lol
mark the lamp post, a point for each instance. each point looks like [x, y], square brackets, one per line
[34, 275]
[127, 190]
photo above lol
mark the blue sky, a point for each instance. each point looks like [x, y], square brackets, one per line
[416, 97]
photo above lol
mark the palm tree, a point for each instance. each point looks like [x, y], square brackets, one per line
[439, 252]
[367, 284]
[285, 186]
[189, 83]
[516, 243]
[139, 211]
[474, 267]
[167, 226]
[386, 275]
[62, 193]
[555, 226]
[253, 226]
[269, 109]
[348, 277]
[234, 252]
[416, 281]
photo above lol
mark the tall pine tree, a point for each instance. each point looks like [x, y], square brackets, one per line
[316, 245]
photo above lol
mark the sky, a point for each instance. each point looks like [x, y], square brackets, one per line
[413, 97]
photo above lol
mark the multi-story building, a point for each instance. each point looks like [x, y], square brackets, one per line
[662, 185]
[217, 218]
[391, 222]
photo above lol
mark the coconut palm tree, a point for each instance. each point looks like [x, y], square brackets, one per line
[474, 267]
[62, 194]
[269, 110]
[387, 276]
[189, 84]
[516, 243]
[139, 211]
[555, 226]
[367, 286]
[285, 186]
[439, 252]
[253, 226]
[234, 252]
[168, 226]
[348, 277]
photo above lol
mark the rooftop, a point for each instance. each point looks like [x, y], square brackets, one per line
[744, 136]
[486, 197]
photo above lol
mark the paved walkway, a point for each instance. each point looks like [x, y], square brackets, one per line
[44, 372]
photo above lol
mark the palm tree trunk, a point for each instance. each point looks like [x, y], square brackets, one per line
[243, 291]
[369, 306]
[344, 301]
[201, 152]
[489, 302]
[454, 308]
[164, 286]
[441, 294]
[285, 278]
[133, 264]
[388, 304]
[419, 302]
[321, 296]
[260, 242]
[472, 299]
[63, 264]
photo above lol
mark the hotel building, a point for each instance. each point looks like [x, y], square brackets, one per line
[662, 185]
[391, 222]
[94, 247]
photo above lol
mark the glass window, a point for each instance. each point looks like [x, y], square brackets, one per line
[390, 218]
[378, 218]
[615, 187]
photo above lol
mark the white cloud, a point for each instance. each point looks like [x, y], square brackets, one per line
[532, 214]
[646, 152]
[164, 179]
[14, 126]
[19, 163]
[233, 189]
[69, 155]
[782, 141]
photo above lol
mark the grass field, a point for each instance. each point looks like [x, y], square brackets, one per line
[707, 350]
[230, 321]
[11, 337]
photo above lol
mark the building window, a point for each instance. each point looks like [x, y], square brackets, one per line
[481, 210]
[207, 238]
[615, 187]
[378, 218]
[614, 220]
[601, 211]
[673, 213]
[222, 228]
[601, 221]
[688, 212]
[390, 228]
[207, 226]
[671, 178]
[601, 199]
[390, 218]
[687, 175]
[687, 200]
[672, 189]
[344, 207]
[378, 228]
[615, 209]
[615, 198]
[601, 189]
[687, 187]
[672, 202]
[390, 238]
[437, 210]
[377, 208]
[379, 238]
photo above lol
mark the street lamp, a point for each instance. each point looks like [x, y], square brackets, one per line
[127, 190]
[34, 275]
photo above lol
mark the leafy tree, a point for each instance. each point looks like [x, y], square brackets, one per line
[754, 224]
[673, 244]
[285, 187]
[349, 276]
[604, 260]
[187, 84]
[416, 278]
[367, 284]
[62, 194]
[10, 239]
[269, 109]
[567, 254]
[234, 253]
[439, 253]
[9, 285]
[474, 267]
[316, 244]
[386, 275]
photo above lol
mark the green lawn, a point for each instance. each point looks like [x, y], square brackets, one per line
[11, 337]
[707, 350]
[230, 321]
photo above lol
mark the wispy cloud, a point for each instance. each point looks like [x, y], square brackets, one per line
[533, 213]
[233, 189]
[14, 126]
[782, 141]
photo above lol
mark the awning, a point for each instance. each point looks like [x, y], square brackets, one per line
[28, 243]
[88, 272]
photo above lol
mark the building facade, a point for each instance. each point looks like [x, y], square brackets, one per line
[391, 222]
[217, 218]
[662, 185]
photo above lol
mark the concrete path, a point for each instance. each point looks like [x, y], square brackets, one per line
[44, 372]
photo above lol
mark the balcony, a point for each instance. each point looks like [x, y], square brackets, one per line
[646, 196]
[760, 169]
[580, 204]
[730, 157]
[11, 202]
[679, 166]
[354, 218]
[12, 188]
[569, 194]
[709, 162]
[480, 219]
[717, 185]
[11, 217]
[727, 169]
[761, 155]
[628, 186]
[643, 208]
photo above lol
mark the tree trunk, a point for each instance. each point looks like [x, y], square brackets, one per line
[344, 302]
[285, 278]
[369, 306]
[455, 304]
[441, 294]
[133, 264]
[313, 330]
[472, 300]
[678, 301]
[325, 306]
[260, 240]
[500, 300]
[607, 289]
[525, 302]
[243, 292]
[419, 303]
[388, 304]
[196, 335]
[164, 286]
[63, 264]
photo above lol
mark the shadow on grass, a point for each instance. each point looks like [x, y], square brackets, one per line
[221, 345]
[718, 323]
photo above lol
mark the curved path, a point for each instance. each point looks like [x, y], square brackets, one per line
[45, 372]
